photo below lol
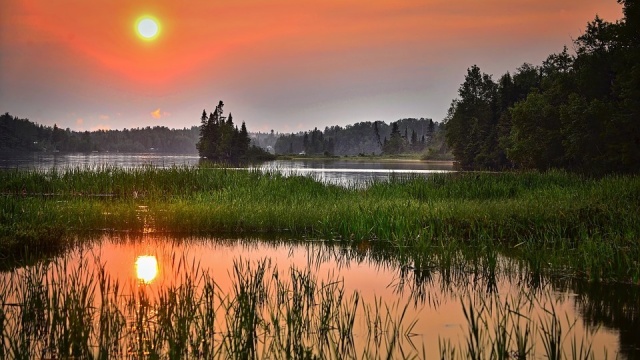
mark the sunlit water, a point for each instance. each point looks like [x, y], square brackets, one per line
[334, 171]
[602, 317]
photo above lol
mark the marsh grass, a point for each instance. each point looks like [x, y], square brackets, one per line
[513, 326]
[64, 310]
[556, 221]
[71, 308]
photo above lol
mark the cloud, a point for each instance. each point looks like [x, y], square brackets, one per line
[79, 121]
[103, 117]
[157, 113]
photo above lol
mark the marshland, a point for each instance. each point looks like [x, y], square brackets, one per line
[259, 263]
[507, 229]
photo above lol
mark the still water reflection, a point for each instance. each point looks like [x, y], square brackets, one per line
[602, 319]
[146, 268]
[350, 172]
[335, 171]
[46, 161]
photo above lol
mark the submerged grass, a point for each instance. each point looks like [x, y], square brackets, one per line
[589, 227]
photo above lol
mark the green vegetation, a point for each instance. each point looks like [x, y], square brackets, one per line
[77, 311]
[72, 307]
[555, 221]
[576, 112]
[405, 136]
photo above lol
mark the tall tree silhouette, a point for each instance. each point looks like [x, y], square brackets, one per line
[220, 140]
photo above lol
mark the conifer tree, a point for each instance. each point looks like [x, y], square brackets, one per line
[220, 139]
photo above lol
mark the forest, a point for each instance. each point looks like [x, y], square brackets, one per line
[576, 112]
[364, 138]
[221, 142]
[23, 135]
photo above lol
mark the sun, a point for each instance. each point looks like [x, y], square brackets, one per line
[147, 27]
[146, 268]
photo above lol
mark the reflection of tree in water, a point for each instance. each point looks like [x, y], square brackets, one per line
[614, 306]
[432, 276]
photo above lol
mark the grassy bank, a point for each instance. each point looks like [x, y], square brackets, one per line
[555, 220]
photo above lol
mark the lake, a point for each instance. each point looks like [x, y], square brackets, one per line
[334, 171]
[402, 307]
[141, 295]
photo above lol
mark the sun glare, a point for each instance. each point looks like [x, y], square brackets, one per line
[147, 27]
[146, 268]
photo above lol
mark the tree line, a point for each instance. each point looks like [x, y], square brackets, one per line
[218, 138]
[18, 134]
[575, 111]
[364, 138]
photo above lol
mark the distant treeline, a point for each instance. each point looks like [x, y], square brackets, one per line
[579, 112]
[23, 135]
[363, 138]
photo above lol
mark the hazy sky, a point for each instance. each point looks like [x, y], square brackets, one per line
[277, 64]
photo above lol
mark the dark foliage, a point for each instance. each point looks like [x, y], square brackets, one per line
[411, 135]
[578, 112]
[221, 141]
[23, 135]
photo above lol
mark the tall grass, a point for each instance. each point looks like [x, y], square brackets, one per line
[73, 309]
[70, 311]
[554, 220]
[512, 327]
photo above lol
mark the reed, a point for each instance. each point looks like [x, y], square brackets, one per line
[507, 327]
[72, 309]
[556, 220]
[68, 311]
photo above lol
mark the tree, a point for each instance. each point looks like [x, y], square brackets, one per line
[414, 139]
[535, 133]
[396, 143]
[220, 139]
[471, 122]
[431, 129]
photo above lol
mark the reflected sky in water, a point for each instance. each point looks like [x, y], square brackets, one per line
[435, 300]
[333, 171]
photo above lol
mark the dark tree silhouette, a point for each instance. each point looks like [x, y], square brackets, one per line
[221, 141]
[578, 112]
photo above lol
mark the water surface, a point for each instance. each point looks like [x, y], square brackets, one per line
[604, 317]
[334, 171]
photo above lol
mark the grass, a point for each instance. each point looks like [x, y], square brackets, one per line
[71, 308]
[65, 311]
[555, 221]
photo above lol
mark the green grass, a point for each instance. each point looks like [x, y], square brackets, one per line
[555, 221]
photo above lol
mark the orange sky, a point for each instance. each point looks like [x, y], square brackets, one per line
[277, 64]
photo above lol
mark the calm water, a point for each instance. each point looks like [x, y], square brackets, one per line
[604, 317]
[46, 161]
[341, 172]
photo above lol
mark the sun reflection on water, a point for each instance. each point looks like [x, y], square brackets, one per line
[146, 268]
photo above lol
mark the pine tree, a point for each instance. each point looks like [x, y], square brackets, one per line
[220, 140]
